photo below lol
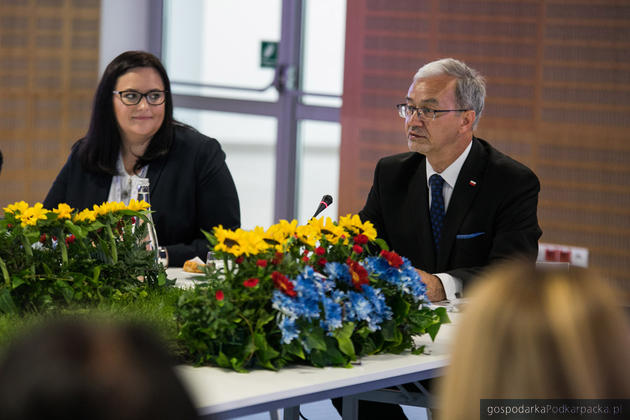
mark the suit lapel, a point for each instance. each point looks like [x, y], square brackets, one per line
[155, 172]
[417, 211]
[466, 188]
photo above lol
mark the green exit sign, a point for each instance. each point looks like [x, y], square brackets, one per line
[268, 53]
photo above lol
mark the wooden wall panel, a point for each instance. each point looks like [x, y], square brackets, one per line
[48, 73]
[558, 75]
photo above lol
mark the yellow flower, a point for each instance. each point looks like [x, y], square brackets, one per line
[308, 235]
[19, 207]
[329, 230]
[85, 215]
[31, 215]
[63, 211]
[240, 241]
[354, 226]
[278, 234]
[136, 205]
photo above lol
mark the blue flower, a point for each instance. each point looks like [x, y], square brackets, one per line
[289, 329]
[338, 271]
[377, 300]
[406, 278]
[333, 313]
[285, 304]
[358, 306]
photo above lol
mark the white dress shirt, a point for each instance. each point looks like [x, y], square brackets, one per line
[452, 285]
[124, 187]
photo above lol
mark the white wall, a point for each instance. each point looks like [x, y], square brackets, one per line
[125, 26]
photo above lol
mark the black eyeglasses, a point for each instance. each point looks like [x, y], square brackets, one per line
[424, 113]
[133, 97]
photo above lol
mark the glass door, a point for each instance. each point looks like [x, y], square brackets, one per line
[254, 75]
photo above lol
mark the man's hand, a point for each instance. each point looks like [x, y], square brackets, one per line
[435, 290]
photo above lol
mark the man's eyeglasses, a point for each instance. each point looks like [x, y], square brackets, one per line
[424, 113]
[133, 97]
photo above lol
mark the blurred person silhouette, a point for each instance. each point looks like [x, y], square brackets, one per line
[537, 333]
[81, 369]
[133, 135]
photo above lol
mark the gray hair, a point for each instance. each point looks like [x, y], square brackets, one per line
[470, 91]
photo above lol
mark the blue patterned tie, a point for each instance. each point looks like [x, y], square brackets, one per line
[437, 208]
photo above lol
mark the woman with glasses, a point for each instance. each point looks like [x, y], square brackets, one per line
[132, 135]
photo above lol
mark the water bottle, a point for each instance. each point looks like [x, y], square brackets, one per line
[152, 245]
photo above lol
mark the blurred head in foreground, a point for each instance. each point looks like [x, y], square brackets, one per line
[75, 369]
[537, 333]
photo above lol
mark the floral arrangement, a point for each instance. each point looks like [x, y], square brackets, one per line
[324, 293]
[59, 256]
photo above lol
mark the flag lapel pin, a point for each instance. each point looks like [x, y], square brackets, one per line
[472, 183]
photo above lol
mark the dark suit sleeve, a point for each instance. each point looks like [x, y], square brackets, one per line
[59, 188]
[516, 229]
[216, 198]
[372, 210]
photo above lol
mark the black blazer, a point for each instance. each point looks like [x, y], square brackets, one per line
[491, 215]
[191, 189]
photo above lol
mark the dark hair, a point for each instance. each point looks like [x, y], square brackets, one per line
[99, 149]
[79, 369]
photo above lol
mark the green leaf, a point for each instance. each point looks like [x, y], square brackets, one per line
[264, 319]
[441, 312]
[381, 243]
[7, 305]
[264, 351]
[315, 339]
[433, 330]
[343, 336]
[161, 278]
[387, 329]
[295, 348]
[223, 361]
[418, 350]
[17, 281]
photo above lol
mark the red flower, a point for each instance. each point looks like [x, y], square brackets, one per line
[283, 283]
[250, 282]
[359, 274]
[322, 261]
[133, 220]
[278, 258]
[392, 258]
[320, 250]
[239, 260]
[219, 295]
[261, 263]
[54, 238]
[42, 238]
[361, 239]
[70, 239]
[357, 249]
[9, 225]
[305, 258]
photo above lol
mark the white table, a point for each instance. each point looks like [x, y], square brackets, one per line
[221, 393]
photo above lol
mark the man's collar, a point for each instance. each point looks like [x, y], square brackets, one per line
[451, 173]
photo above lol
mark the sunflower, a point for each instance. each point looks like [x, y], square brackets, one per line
[136, 205]
[31, 215]
[17, 207]
[354, 226]
[63, 211]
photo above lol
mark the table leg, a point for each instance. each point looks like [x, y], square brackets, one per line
[291, 413]
[350, 408]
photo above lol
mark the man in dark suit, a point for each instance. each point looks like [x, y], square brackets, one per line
[486, 209]
[453, 204]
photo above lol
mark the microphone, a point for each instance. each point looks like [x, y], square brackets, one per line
[323, 205]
